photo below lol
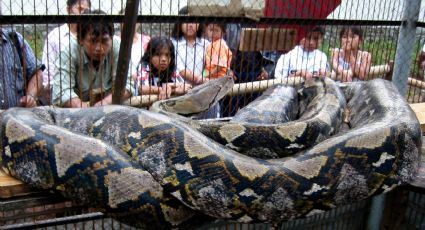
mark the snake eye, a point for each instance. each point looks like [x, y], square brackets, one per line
[170, 103]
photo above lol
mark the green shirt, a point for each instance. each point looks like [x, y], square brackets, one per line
[76, 78]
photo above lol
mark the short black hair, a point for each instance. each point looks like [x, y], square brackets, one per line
[317, 29]
[96, 28]
[70, 3]
[354, 29]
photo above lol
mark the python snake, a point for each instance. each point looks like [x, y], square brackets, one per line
[163, 172]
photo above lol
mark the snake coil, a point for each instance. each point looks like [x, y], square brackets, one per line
[162, 171]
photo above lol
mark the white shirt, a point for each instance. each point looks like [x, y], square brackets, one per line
[188, 57]
[137, 51]
[298, 59]
[59, 38]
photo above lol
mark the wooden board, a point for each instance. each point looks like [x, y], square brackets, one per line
[419, 109]
[10, 187]
[267, 39]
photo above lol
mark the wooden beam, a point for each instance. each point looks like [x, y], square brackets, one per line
[419, 109]
[11, 187]
[238, 89]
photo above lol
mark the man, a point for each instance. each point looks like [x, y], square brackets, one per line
[86, 70]
[20, 72]
[56, 40]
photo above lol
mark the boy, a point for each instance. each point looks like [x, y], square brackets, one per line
[305, 60]
[86, 70]
[218, 55]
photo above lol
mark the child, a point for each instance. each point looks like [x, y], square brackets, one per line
[190, 50]
[218, 56]
[305, 60]
[156, 72]
[349, 62]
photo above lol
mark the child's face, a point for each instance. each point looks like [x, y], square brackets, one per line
[190, 29]
[161, 60]
[78, 7]
[312, 41]
[96, 48]
[214, 32]
[350, 41]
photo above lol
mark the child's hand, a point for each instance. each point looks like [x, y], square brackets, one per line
[347, 76]
[263, 75]
[304, 74]
[165, 91]
[182, 88]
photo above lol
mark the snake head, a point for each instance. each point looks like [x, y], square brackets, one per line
[198, 99]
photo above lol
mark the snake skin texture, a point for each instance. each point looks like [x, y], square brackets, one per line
[321, 107]
[165, 173]
[281, 102]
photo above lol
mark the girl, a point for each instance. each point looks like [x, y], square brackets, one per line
[190, 50]
[218, 56]
[190, 56]
[156, 71]
[349, 62]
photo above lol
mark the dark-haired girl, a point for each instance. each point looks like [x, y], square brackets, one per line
[190, 50]
[156, 73]
[349, 62]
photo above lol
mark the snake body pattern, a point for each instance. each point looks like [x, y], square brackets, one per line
[162, 170]
[281, 102]
[321, 110]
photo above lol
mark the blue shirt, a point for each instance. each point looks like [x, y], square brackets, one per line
[12, 82]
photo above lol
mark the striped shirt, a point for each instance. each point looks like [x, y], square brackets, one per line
[12, 82]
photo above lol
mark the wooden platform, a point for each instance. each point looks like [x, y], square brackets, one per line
[419, 109]
[11, 187]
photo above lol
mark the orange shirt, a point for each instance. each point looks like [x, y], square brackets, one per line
[218, 54]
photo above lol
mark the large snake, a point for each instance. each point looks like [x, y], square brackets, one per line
[161, 171]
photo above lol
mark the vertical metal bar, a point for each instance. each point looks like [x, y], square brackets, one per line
[130, 18]
[405, 44]
[376, 211]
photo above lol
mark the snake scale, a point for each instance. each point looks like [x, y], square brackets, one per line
[155, 170]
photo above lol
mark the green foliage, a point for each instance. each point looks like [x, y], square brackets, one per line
[382, 51]
[36, 41]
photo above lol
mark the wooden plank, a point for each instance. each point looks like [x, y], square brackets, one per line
[11, 187]
[267, 39]
[419, 109]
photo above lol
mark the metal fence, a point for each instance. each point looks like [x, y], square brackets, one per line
[393, 33]
[403, 209]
